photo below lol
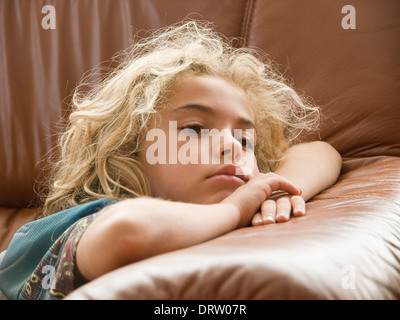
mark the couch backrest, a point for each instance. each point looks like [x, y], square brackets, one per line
[353, 74]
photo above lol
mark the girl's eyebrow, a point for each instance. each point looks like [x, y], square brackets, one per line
[211, 111]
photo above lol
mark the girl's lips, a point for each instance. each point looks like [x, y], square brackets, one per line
[227, 178]
[229, 173]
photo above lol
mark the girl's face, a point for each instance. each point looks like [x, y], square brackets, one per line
[203, 148]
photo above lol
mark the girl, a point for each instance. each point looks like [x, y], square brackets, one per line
[119, 201]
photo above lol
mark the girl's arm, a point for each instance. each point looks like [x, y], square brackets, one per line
[135, 229]
[313, 166]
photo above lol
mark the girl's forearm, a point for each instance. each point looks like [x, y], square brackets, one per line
[175, 225]
[312, 166]
[136, 229]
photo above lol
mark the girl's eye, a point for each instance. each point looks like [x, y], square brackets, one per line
[193, 127]
[247, 143]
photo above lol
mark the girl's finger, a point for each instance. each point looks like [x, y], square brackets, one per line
[268, 211]
[257, 220]
[298, 205]
[276, 182]
[283, 209]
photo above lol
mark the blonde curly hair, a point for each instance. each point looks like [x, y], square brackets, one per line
[98, 150]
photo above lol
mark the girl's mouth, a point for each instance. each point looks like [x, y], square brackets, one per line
[230, 173]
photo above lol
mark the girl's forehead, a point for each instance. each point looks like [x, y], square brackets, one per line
[215, 93]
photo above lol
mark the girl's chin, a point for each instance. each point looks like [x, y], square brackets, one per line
[208, 196]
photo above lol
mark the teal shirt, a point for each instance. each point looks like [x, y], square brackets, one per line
[31, 242]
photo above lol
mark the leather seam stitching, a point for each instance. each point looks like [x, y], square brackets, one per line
[247, 20]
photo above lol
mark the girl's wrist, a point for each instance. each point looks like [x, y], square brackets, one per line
[231, 212]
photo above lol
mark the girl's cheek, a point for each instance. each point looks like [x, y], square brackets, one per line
[188, 152]
[251, 167]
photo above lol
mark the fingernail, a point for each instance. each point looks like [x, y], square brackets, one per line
[269, 219]
[258, 220]
[281, 217]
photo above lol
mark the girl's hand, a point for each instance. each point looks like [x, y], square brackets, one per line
[278, 208]
[250, 198]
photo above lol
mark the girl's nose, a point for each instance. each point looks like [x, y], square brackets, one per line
[230, 148]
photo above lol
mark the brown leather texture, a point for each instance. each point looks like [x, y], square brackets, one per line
[348, 245]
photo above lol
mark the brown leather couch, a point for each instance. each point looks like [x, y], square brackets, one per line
[347, 247]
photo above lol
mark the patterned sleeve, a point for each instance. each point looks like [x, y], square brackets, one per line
[57, 275]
